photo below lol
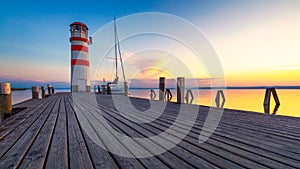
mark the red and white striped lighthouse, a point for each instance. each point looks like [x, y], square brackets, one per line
[80, 64]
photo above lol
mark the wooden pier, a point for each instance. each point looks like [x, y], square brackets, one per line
[47, 134]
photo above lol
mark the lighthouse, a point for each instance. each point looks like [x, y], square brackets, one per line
[80, 64]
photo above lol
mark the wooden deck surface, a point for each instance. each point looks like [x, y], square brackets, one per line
[47, 134]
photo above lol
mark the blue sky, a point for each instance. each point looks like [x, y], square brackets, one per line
[34, 35]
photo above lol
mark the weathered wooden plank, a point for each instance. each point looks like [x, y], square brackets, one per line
[209, 149]
[250, 119]
[255, 144]
[241, 127]
[174, 158]
[263, 158]
[16, 120]
[58, 150]
[122, 162]
[252, 145]
[274, 163]
[78, 153]
[280, 122]
[177, 150]
[264, 134]
[279, 130]
[36, 155]
[16, 153]
[9, 139]
[100, 157]
[147, 162]
[46, 138]
[29, 103]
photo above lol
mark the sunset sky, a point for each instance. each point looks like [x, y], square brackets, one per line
[257, 41]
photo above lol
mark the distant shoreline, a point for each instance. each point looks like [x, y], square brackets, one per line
[199, 88]
[230, 87]
[18, 89]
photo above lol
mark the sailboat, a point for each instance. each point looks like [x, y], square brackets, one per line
[114, 88]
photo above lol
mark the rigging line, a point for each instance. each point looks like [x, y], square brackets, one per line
[119, 50]
[112, 73]
[116, 55]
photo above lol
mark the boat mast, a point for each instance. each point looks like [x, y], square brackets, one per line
[119, 50]
[116, 55]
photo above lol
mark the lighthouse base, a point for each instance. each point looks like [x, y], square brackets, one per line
[75, 89]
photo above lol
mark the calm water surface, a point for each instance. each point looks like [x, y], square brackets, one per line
[23, 95]
[250, 100]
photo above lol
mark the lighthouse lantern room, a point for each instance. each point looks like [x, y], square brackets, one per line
[80, 65]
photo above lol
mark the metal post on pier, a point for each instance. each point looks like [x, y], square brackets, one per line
[49, 89]
[274, 93]
[162, 83]
[43, 88]
[152, 95]
[168, 95]
[180, 89]
[220, 94]
[35, 90]
[269, 91]
[5, 100]
[268, 96]
[187, 96]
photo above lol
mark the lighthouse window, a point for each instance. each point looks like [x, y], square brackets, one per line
[77, 28]
[83, 29]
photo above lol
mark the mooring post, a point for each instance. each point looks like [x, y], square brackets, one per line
[52, 89]
[180, 89]
[125, 88]
[43, 88]
[49, 88]
[5, 100]
[35, 90]
[162, 83]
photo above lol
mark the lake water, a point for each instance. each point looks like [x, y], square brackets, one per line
[250, 100]
[23, 95]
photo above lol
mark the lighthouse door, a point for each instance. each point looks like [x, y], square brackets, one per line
[81, 85]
